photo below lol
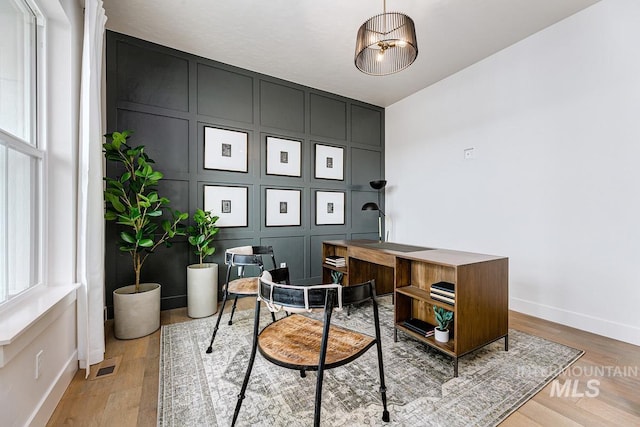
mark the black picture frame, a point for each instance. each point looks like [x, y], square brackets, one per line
[226, 150]
[283, 207]
[284, 157]
[330, 207]
[229, 203]
[329, 162]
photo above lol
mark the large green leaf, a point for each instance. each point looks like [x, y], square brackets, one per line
[125, 177]
[146, 243]
[155, 176]
[134, 213]
[115, 202]
[127, 237]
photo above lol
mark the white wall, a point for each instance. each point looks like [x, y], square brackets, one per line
[555, 125]
[25, 400]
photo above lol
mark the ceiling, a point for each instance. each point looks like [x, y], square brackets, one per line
[312, 42]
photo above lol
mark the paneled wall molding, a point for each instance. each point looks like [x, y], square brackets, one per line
[168, 98]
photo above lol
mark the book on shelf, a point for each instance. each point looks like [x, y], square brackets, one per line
[335, 260]
[444, 286]
[442, 298]
[443, 293]
[419, 326]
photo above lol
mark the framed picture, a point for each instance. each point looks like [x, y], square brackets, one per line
[229, 203]
[329, 162]
[329, 207]
[283, 157]
[225, 149]
[283, 207]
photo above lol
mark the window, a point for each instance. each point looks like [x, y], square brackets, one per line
[21, 159]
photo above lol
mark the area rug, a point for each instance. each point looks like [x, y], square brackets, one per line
[199, 389]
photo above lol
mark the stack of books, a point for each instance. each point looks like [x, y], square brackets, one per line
[444, 292]
[336, 261]
[419, 326]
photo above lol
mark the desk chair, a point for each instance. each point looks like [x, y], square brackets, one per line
[244, 258]
[305, 344]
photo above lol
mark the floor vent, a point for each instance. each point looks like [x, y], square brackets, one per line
[106, 368]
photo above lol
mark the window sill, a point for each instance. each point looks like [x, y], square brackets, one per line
[21, 322]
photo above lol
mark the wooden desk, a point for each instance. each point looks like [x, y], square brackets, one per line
[481, 288]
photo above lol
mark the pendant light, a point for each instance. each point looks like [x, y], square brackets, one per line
[386, 43]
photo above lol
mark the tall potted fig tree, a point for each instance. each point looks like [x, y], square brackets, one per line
[132, 201]
[202, 278]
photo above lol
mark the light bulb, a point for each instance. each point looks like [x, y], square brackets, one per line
[402, 43]
[380, 56]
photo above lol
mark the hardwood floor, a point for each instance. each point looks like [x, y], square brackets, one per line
[129, 398]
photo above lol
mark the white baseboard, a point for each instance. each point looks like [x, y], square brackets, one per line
[42, 413]
[615, 330]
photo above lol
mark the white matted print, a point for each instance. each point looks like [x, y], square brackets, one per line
[329, 207]
[329, 162]
[225, 149]
[283, 157]
[228, 203]
[283, 207]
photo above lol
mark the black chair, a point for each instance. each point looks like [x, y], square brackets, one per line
[245, 258]
[306, 344]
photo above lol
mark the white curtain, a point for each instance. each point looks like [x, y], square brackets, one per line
[90, 268]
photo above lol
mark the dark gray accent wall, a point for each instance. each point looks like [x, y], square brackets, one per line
[168, 97]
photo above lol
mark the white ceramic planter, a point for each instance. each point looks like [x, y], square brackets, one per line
[202, 290]
[441, 336]
[136, 314]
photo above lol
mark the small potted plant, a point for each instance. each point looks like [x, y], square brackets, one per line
[202, 278]
[132, 201]
[443, 318]
[336, 277]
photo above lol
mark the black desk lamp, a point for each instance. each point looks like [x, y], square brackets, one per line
[371, 206]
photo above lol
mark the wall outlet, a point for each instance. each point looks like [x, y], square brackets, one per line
[283, 264]
[468, 153]
[38, 370]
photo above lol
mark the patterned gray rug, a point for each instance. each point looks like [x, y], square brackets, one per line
[199, 389]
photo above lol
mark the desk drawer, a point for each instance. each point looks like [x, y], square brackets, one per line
[374, 256]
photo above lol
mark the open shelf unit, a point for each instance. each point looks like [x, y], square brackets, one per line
[334, 250]
[480, 310]
[481, 284]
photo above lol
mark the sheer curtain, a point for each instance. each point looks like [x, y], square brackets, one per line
[90, 267]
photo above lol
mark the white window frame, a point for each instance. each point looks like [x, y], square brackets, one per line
[35, 149]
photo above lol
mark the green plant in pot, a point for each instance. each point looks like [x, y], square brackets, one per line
[132, 201]
[202, 278]
[336, 277]
[443, 319]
